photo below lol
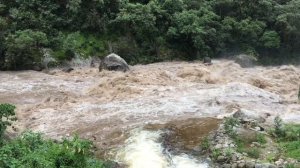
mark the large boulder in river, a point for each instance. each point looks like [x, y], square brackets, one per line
[113, 62]
[245, 61]
[207, 61]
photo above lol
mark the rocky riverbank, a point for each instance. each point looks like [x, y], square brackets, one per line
[244, 140]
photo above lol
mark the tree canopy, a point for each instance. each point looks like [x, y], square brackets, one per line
[144, 31]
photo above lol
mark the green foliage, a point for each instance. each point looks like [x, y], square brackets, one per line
[290, 166]
[32, 151]
[229, 152]
[229, 125]
[215, 153]
[253, 152]
[287, 132]
[271, 158]
[270, 39]
[24, 48]
[83, 45]
[205, 143]
[291, 149]
[299, 94]
[7, 115]
[148, 31]
[288, 136]
[261, 138]
[278, 124]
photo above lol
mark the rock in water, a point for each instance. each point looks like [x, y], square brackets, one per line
[67, 69]
[245, 61]
[207, 60]
[37, 68]
[113, 62]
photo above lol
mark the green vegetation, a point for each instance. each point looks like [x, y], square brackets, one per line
[261, 138]
[229, 152]
[205, 144]
[30, 150]
[7, 115]
[144, 31]
[288, 137]
[216, 153]
[252, 152]
[290, 166]
[229, 125]
[243, 146]
[291, 149]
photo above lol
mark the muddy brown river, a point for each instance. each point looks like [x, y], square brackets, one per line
[115, 109]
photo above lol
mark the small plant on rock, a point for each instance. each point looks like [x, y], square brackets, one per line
[216, 153]
[279, 130]
[253, 152]
[229, 152]
[205, 144]
[261, 138]
[229, 125]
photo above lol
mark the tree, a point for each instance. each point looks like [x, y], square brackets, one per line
[195, 32]
[270, 39]
[24, 49]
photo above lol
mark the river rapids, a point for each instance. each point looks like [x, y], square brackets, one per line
[112, 109]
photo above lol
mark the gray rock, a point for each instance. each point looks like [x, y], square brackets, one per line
[234, 158]
[221, 159]
[256, 144]
[218, 146]
[67, 69]
[241, 165]
[266, 165]
[245, 61]
[207, 60]
[226, 166]
[113, 62]
[279, 162]
[37, 68]
[248, 116]
[258, 165]
[250, 164]
[234, 165]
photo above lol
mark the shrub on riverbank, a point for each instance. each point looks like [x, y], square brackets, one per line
[31, 150]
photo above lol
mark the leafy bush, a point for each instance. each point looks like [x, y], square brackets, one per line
[288, 136]
[286, 132]
[7, 115]
[24, 49]
[32, 151]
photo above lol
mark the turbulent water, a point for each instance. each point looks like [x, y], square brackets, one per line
[144, 150]
[105, 106]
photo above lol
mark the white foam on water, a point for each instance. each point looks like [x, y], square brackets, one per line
[144, 150]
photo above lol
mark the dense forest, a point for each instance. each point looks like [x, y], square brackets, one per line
[144, 31]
